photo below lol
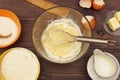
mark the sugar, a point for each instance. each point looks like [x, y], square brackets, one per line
[7, 26]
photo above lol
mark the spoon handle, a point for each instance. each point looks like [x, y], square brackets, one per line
[5, 36]
[94, 40]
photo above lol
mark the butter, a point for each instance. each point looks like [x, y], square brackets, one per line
[117, 15]
[113, 23]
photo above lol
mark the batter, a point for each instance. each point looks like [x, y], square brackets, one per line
[57, 44]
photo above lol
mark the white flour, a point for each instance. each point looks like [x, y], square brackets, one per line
[20, 64]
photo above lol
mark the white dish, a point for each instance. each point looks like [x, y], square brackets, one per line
[94, 76]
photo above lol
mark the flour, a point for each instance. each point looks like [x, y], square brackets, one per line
[20, 64]
[51, 37]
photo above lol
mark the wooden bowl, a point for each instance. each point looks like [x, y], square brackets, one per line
[11, 15]
[1, 58]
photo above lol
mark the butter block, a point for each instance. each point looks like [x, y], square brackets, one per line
[113, 23]
[117, 15]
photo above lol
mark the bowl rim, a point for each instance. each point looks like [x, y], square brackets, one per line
[57, 62]
[13, 16]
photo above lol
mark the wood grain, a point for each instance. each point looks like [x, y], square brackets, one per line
[28, 14]
[44, 4]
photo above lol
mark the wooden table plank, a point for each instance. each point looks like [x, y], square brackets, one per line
[51, 71]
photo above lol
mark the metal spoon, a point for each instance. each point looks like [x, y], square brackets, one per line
[5, 36]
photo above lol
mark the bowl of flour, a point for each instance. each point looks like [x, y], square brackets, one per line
[47, 37]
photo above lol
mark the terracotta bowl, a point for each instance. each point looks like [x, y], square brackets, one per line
[7, 13]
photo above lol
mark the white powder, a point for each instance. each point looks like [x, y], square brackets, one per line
[20, 64]
[63, 52]
[7, 26]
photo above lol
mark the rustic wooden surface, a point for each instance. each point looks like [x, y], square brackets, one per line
[51, 71]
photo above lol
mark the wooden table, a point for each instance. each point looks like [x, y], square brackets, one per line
[51, 71]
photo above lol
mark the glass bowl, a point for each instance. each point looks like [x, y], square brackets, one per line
[52, 14]
[106, 26]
